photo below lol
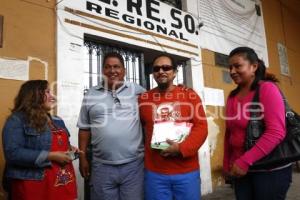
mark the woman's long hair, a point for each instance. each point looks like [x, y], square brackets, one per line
[260, 74]
[30, 102]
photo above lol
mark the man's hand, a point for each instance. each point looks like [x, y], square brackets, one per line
[172, 150]
[84, 137]
[236, 171]
[84, 166]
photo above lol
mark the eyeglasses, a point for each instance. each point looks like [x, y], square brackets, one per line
[165, 68]
[116, 99]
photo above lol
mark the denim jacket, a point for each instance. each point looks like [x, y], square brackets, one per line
[25, 149]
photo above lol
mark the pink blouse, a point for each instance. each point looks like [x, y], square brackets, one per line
[237, 116]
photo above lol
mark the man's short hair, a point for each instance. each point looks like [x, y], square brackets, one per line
[173, 63]
[113, 55]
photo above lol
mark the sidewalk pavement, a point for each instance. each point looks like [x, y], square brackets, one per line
[226, 193]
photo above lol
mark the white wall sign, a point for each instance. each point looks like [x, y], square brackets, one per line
[232, 23]
[283, 59]
[14, 69]
[151, 15]
[146, 23]
[214, 97]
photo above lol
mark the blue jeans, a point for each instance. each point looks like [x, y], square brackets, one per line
[118, 182]
[271, 185]
[172, 187]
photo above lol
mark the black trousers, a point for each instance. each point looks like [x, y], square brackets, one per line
[271, 185]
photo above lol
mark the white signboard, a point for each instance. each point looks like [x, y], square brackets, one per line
[214, 97]
[231, 23]
[146, 23]
[283, 59]
[14, 69]
[151, 15]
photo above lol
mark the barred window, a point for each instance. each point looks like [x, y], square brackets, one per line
[94, 54]
[134, 60]
[174, 3]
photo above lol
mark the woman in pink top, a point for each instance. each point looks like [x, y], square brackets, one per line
[249, 72]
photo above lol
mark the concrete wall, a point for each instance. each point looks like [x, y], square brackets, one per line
[282, 24]
[29, 34]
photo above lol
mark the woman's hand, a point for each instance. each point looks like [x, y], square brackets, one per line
[76, 150]
[227, 177]
[59, 157]
[236, 171]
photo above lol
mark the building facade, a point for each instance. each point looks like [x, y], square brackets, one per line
[64, 41]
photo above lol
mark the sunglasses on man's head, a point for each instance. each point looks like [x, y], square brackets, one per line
[165, 68]
[116, 99]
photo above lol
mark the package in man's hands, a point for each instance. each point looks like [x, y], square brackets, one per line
[175, 131]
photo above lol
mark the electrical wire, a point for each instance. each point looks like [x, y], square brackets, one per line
[67, 31]
[37, 4]
[58, 3]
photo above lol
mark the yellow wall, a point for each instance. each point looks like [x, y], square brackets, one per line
[282, 25]
[29, 31]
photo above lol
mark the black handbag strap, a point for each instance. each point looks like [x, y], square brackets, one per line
[256, 95]
[286, 104]
[255, 124]
[255, 104]
[288, 110]
[289, 113]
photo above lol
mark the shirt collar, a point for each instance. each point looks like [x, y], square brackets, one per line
[101, 86]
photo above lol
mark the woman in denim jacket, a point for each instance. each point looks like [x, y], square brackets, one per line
[36, 147]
